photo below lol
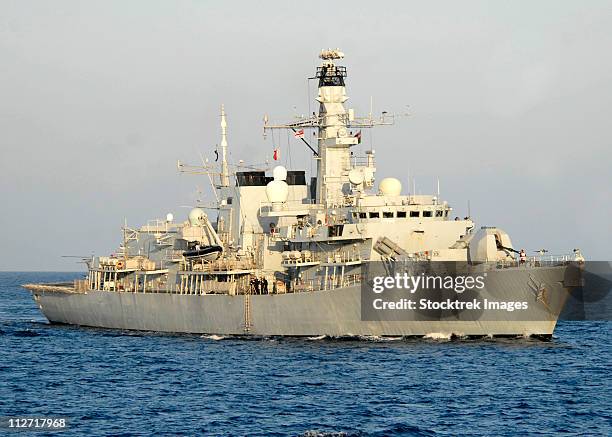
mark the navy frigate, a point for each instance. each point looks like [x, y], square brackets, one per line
[286, 255]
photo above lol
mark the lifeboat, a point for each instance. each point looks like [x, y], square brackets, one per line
[208, 253]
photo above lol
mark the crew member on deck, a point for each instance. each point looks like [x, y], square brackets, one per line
[522, 256]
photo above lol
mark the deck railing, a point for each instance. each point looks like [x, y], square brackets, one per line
[538, 261]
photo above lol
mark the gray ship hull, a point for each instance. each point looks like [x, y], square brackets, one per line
[333, 313]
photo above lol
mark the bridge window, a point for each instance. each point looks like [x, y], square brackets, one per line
[439, 213]
[362, 215]
[426, 213]
[401, 214]
[387, 214]
[374, 215]
[415, 213]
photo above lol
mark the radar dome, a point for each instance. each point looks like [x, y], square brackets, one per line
[277, 191]
[390, 187]
[169, 217]
[197, 217]
[279, 173]
[356, 177]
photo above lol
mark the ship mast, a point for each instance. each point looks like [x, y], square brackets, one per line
[332, 123]
[334, 140]
[225, 179]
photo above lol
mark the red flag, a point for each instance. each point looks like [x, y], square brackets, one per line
[299, 133]
[276, 154]
[358, 136]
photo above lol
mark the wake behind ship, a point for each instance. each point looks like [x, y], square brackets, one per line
[289, 256]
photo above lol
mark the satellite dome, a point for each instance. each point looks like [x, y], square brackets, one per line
[356, 177]
[390, 187]
[279, 173]
[197, 217]
[277, 191]
[169, 217]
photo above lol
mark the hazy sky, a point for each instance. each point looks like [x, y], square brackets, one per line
[510, 106]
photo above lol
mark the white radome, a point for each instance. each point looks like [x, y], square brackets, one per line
[390, 187]
[197, 217]
[277, 191]
[169, 217]
[279, 173]
[356, 177]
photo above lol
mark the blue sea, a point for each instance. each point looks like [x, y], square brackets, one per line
[108, 382]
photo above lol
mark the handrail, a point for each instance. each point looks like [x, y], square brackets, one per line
[538, 261]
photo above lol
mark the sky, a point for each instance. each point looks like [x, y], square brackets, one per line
[508, 104]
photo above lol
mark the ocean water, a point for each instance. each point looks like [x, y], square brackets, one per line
[129, 383]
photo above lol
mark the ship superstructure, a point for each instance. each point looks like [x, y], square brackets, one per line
[285, 255]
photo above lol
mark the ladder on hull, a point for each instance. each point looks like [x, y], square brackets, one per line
[247, 313]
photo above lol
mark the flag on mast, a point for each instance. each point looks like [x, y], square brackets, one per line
[276, 154]
[299, 133]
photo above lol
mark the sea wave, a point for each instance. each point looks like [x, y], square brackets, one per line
[214, 337]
